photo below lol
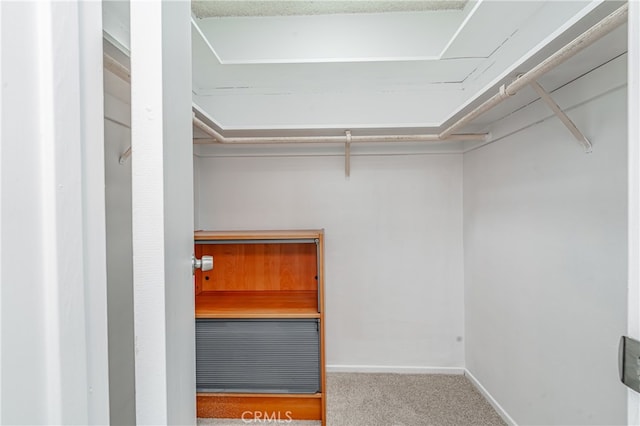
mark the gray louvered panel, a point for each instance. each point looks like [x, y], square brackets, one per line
[270, 356]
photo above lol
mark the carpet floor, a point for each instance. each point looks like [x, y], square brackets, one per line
[357, 399]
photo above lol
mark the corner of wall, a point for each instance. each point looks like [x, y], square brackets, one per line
[485, 393]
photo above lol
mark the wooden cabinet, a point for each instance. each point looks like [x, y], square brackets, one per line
[260, 325]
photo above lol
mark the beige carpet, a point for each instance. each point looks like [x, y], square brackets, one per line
[355, 399]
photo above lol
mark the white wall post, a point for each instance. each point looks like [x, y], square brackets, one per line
[162, 202]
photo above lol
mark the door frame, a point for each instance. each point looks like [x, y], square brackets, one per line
[633, 298]
[162, 204]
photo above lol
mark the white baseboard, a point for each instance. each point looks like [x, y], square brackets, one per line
[393, 369]
[501, 411]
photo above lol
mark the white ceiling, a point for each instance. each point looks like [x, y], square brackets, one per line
[331, 38]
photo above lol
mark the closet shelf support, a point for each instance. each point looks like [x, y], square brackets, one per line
[546, 97]
[125, 156]
[347, 154]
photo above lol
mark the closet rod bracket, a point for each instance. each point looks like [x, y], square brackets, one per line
[546, 97]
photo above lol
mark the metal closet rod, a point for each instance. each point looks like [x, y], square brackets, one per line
[605, 26]
[331, 139]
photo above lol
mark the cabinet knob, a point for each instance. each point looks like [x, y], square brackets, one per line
[205, 264]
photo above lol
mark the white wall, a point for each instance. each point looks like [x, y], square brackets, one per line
[393, 245]
[53, 278]
[119, 253]
[196, 191]
[545, 259]
[20, 229]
